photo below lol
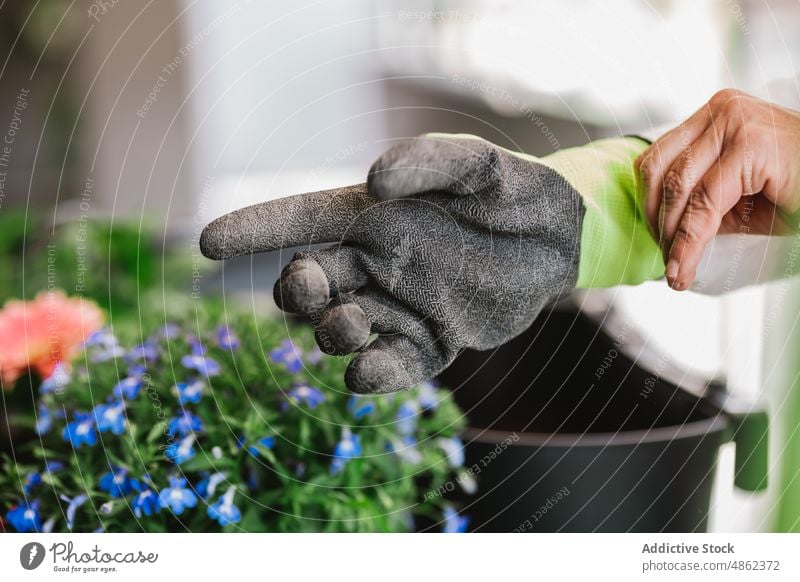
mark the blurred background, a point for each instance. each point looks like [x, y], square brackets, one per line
[159, 116]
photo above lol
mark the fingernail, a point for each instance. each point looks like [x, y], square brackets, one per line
[672, 269]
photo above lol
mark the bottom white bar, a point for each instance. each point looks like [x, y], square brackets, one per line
[389, 557]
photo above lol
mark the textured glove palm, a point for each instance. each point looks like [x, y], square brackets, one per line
[452, 243]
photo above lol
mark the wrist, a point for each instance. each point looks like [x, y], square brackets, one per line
[790, 217]
[617, 247]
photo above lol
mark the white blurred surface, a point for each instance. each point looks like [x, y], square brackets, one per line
[612, 62]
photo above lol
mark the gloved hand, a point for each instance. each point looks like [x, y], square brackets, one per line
[452, 243]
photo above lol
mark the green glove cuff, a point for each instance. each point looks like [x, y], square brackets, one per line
[616, 245]
[792, 219]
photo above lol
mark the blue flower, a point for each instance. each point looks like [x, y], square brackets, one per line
[47, 527]
[57, 380]
[268, 442]
[314, 356]
[177, 496]
[44, 420]
[406, 417]
[80, 431]
[25, 517]
[117, 483]
[288, 355]
[181, 451]
[208, 486]
[72, 506]
[224, 511]
[304, 393]
[143, 352]
[110, 417]
[202, 364]
[146, 503]
[454, 450]
[360, 406]
[405, 449]
[453, 522]
[226, 339]
[185, 424]
[136, 370]
[349, 447]
[468, 483]
[128, 388]
[101, 337]
[104, 346]
[253, 479]
[31, 481]
[53, 466]
[169, 331]
[108, 353]
[189, 392]
[198, 349]
[427, 396]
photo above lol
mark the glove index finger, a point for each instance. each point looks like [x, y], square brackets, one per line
[294, 221]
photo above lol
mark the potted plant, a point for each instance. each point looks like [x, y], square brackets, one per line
[222, 422]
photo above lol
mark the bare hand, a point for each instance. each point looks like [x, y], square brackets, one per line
[726, 169]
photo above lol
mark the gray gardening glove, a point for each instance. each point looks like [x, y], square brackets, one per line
[452, 243]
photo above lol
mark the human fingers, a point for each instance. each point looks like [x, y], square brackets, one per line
[716, 194]
[680, 180]
[653, 163]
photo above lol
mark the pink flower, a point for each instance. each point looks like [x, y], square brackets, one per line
[39, 334]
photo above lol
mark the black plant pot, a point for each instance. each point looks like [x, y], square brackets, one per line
[568, 433]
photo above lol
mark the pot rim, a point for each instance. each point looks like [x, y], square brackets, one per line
[716, 423]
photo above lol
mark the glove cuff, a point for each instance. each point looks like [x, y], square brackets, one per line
[617, 247]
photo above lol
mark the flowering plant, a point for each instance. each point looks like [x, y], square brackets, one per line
[40, 333]
[231, 427]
